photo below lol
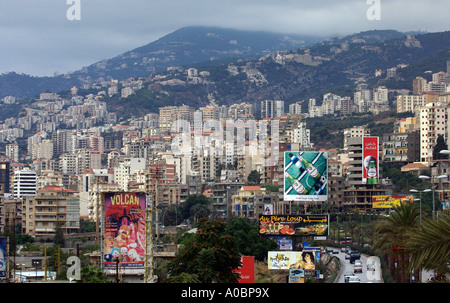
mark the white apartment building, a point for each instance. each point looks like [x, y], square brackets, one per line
[409, 103]
[125, 169]
[295, 108]
[272, 108]
[433, 121]
[301, 135]
[42, 150]
[354, 132]
[12, 151]
[25, 183]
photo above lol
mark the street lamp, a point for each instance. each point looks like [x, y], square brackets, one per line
[445, 152]
[432, 184]
[420, 199]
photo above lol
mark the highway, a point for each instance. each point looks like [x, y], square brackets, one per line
[365, 276]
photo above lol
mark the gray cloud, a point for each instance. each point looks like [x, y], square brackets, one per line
[37, 38]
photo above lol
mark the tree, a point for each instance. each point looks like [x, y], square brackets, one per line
[209, 255]
[440, 145]
[429, 245]
[191, 201]
[59, 236]
[254, 178]
[92, 274]
[248, 240]
[391, 237]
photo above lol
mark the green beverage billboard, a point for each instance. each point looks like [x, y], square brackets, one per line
[305, 176]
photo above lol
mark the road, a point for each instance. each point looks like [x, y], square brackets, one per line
[365, 276]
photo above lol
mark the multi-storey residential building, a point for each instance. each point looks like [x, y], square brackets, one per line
[11, 213]
[12, 151]
[221, 195]
[433, 121]
[170, 114]
[62, 142]
[5, 176]
[250, 201]
[295, 108]
[404, 144]
[242, 111]
[125, 169]
[272, 108]
[357, 195]
[42, 150]
[409, 103]
[25, 183]
[49, 208]
[355, 132]
[419, 85]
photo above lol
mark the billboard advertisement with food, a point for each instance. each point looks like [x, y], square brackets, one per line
[305, 176]
[294, 225]
[124, 240]
[390, 201]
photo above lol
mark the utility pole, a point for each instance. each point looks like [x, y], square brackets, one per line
[148, 265]
[97, 213]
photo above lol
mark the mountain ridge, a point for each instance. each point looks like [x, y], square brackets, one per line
[126, 65]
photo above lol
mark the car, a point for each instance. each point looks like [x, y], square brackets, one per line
[347, 275]
[357, 269]
[343, 249]
[335, 251]
[354, 279]
[354, 255]
[347, 257]
[358, 262]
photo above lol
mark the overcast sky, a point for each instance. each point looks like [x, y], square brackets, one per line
[37, 37]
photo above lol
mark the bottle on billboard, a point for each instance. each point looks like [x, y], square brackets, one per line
[297, 169]
[310, 168]
[296, 184]
[372, 174]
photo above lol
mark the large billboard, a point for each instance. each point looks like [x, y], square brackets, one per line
[370, 160]
[305, 176]
[124, 239]
[3, 257]
[294, 225]
[291, 260]
[390, 201]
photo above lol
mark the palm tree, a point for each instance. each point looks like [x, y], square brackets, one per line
[429, 245]
[391, 238]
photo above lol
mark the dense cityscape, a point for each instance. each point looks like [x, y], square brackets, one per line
[346, 184]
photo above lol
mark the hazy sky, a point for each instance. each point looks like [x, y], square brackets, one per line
[37, 37]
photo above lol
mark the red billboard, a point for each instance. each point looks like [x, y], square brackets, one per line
[370, 160]
[247, 271]
[124, 240]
